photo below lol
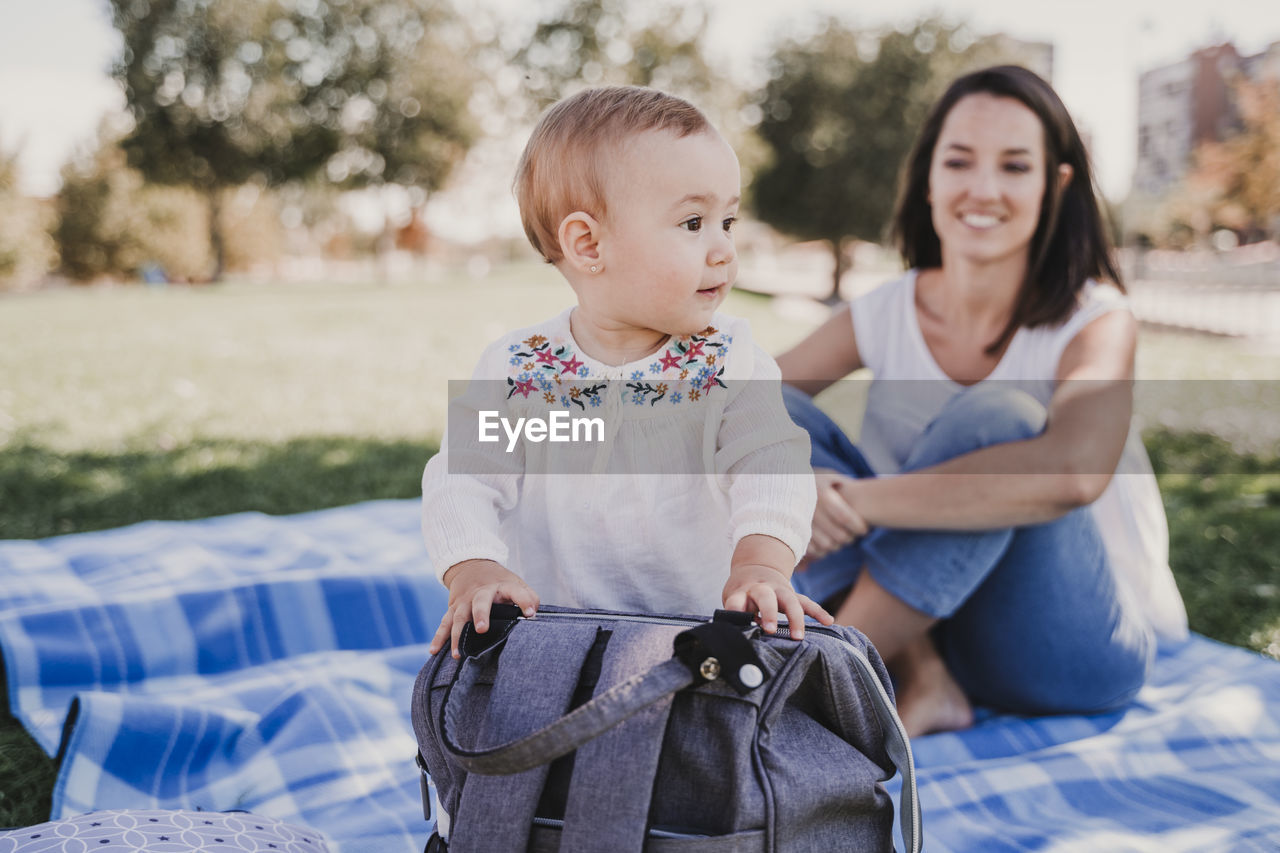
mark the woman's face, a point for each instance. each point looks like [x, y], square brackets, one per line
[986, 179]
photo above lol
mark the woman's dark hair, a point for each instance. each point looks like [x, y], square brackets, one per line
[1070, 243]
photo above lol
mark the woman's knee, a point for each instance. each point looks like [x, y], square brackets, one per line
[829, 446]
[996, 413]
[979, 417]
[1083, 684]
[1110, 688]
[1117, 681]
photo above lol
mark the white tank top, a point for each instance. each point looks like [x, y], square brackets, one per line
[1129, 514]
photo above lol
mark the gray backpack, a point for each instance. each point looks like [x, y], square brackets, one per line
[593, 731]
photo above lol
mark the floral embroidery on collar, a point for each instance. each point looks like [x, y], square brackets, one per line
[699, 356]
[686, 370]
[540, 365]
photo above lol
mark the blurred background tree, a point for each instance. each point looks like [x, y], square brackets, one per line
[353, 92]
[581, 43]
[1237, 181]
[603, 42]
[111, 223]
[26, 250]
[839, 113]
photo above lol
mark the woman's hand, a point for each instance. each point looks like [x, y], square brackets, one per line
[835, 522]
[474, 585]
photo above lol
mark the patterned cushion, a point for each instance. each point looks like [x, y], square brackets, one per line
[155, 831]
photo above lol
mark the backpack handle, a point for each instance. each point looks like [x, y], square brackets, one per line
[699, 653]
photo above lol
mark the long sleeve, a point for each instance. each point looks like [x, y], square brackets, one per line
[765, 458]
[470, 482]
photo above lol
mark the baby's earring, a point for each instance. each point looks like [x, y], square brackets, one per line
[595, 268]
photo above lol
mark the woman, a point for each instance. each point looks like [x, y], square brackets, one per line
[1011, 567]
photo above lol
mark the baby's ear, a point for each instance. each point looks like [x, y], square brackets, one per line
[580, 242]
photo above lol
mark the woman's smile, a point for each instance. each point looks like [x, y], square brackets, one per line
[980, 221]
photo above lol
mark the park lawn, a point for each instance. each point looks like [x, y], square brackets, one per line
[125, 404]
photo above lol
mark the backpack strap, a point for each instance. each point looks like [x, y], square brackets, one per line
[896, 742]
[496, 812]
[614, 773]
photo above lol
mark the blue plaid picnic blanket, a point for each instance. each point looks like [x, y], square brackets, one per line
[265, 664]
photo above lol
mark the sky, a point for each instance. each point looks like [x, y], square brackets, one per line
[55, 55]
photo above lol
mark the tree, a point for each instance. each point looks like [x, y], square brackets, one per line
[110, 222]
[602, 42]
[839, 114]
[1232, 184]
[354, 92]
[26, 251]
[1237, 180]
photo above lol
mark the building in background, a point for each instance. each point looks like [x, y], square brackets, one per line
[1187, 103]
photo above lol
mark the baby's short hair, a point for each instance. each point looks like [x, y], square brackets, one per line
[560, 169]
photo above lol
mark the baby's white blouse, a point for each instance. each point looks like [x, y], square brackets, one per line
[696, 452]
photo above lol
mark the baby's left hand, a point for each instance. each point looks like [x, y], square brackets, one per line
[766, 591]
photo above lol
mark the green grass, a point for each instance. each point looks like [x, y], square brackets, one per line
[63, 492]
[125, 369]
[26, 776]
[1224, 535]
[126, 404]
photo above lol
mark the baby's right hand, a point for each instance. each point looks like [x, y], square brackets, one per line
[474, 585]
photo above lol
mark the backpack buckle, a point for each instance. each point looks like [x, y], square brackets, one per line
[721, 650]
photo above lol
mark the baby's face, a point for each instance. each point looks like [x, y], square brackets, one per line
[667, 246]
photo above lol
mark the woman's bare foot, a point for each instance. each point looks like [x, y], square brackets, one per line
[929, 699]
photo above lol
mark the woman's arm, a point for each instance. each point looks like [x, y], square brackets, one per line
[828, 354]
[1032, 481]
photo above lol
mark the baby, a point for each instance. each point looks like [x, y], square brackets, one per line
[688, 487]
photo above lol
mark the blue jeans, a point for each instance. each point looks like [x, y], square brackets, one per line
[1029, 619]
